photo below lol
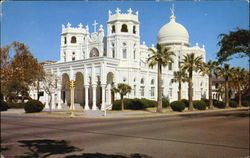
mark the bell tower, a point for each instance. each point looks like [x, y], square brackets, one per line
[123, 38]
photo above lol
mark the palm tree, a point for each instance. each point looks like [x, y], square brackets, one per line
[179, 76]
[122, 89]
[161, 57]
[226, 73]
[209, 69]
[239, 76]
[191, 64]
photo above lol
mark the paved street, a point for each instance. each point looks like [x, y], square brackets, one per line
[208, 135]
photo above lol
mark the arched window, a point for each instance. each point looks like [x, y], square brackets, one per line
[124, 50]
[83, 55]
[142, 81]
[124, 79]
[152, 82]
[134, 50]
[94, 53]
[73, 56]
[134, 29]
[65, 40]
[113, 29]
[113, 50]
[73, 39]
[124, 53]
[124, 28]
[64, 56]
[170, 66]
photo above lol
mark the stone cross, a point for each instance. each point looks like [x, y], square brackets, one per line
[95, 23]
[130, 11]
[68, 25]
[117, 10]
[80, 25]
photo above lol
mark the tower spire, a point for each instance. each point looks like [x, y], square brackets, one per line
[172, 17]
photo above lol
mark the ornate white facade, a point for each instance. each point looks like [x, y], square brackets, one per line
[98, 62]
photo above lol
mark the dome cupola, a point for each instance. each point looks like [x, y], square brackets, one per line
[173, 33]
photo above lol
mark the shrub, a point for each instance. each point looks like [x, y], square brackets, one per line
[117, 104]
[148, 103]
[185, 101]
[33, 106]
[165, 102]
[245, 103]
[199, 105]
[16, 105]
[3, 106]
[177, 106]
[206, 101]
[233, 103]
[136, 104]
[219, 104]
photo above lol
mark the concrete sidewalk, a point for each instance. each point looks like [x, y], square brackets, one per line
[117, 114]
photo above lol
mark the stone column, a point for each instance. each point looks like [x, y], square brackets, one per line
[103, 97]
[59, 99]
[46, 101]
[94, 107]
[53, 105]
[86, 107]
[108, 99]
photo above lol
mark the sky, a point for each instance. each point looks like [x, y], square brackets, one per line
[38, 23]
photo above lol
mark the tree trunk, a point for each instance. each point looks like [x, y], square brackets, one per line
[226, 94]
[159, 97]
[239, 94]
[190, 91]
[210, 92]
[179, 92]
[122, 100]
[38, 87]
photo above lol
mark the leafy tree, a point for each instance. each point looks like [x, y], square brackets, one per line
[180, 77]
[235, 42]
[240, 76]
[191, 64]
[122, 89]
[226, 73]
[209, 69]
[161, 57]
[20, 69]
[49, 82]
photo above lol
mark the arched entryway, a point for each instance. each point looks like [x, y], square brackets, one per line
[65, 92]
[79, 89]
[110, 96]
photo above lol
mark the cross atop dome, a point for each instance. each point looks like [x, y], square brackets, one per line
[172, 10]
[172, 17]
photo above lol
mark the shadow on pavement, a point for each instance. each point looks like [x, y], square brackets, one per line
[45, 148]
[100, 155]
[238, 113]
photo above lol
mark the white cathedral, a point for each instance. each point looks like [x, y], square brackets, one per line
[97, 63]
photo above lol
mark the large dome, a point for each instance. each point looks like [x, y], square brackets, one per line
[173, 33]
